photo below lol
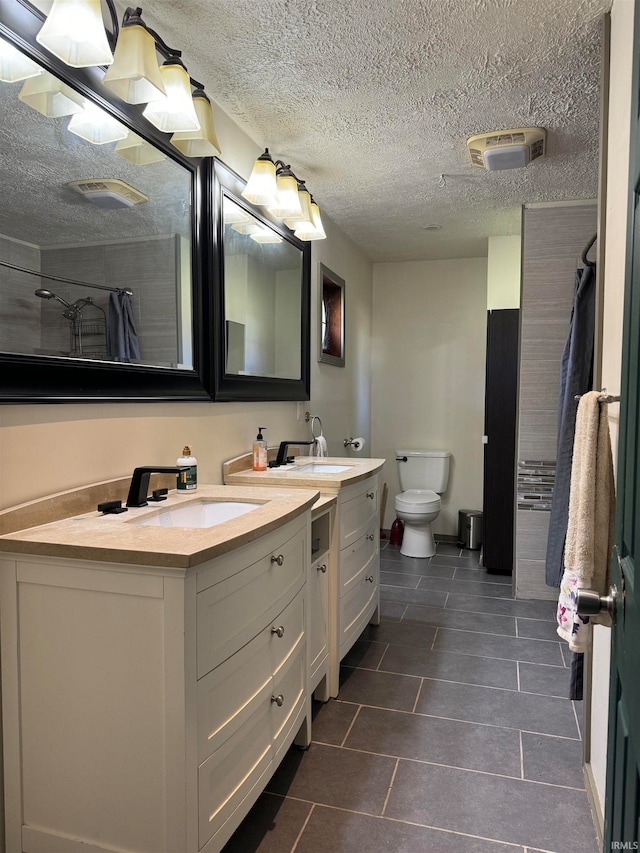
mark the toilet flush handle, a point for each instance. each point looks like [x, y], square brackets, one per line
[401, 459]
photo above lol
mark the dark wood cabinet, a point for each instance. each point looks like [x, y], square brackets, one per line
[500, 413]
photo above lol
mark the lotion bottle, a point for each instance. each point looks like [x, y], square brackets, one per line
[260, 452]
[187, 480]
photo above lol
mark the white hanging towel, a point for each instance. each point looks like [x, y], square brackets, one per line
[590, 530]
[321, 446]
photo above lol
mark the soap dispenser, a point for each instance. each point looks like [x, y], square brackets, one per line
[187, 480]
[260, 452]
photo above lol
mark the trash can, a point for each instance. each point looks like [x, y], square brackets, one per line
[470, 529]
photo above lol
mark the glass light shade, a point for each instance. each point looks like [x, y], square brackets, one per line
[288, 204]
[173, 112]
[203, 142]
[50, 96]
[317, 221]
[75, 33]
[134, 75]
[249, 227]
[96, 126]
[137, 150]
[266, 236]
[232, 214]
[261, 187]
[305, 224]
[14, 65]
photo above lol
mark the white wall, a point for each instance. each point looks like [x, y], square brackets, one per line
[428, 350]
[614, 272]
[504, 256]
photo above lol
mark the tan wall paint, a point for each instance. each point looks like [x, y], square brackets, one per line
[503, 272]
[429, 341]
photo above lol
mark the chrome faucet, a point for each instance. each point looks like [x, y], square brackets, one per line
[140, 481]
[282, 450]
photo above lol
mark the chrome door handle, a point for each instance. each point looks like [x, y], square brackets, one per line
[279, 700]
[371, 495]
[323, 568]
[589, 603]
[369, 578]
[279, 559]
[279, 631]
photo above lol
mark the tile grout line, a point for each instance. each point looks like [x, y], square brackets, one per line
[434, 639]
[518, 675]
[391, 781]
[521, 754]
[404, 613]
[415, 704]
[575, 714]
[377, 669]
[355, 717]
[517, 633]
[304, 826]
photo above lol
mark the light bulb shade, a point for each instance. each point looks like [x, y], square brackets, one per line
[288, 204]
[305, 224]
[251, 226]
[232, 214]
[317, 221]
[75, 33]
[96, 126]
[266, 236]
[174, 111]
[203, 142]
[14, 65]
[138, 151]
[134, 75]
[50, 96]
[261, 187]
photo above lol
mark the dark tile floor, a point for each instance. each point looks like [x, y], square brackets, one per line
[451, 732]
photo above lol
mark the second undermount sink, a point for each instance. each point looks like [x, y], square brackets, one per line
[320, 468]
[199, 514]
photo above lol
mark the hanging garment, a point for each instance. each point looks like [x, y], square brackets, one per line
[590, 530]
[576, 376]
[123, 337]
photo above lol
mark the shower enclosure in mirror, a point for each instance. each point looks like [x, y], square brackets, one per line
[100, 255]
[261, 300]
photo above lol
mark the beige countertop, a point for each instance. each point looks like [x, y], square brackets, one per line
[115, 539]
[238, 471]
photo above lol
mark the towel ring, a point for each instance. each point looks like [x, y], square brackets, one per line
[313, 420]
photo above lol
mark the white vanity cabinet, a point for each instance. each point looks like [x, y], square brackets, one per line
[144, 707]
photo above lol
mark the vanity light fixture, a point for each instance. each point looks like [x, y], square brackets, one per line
[173, 111]
[96, 126]
[134, 75]
[265, 235]
[14, 65]
[137, 150]
[75, 33]
[50, 96]
[273, 185]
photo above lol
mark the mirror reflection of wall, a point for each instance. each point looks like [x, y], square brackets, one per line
[262, 297]
[129, 229]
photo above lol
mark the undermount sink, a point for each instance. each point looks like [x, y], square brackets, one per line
[320, 468]
[199, 514]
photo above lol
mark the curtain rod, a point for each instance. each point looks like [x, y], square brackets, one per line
[67, 280]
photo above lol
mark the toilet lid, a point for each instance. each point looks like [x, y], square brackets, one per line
[418, 500]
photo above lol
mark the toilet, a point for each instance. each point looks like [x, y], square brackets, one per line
[424, 475]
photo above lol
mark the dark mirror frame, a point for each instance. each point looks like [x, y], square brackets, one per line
[232, 387]
[33, 379]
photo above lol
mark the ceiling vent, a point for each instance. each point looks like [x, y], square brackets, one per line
[507, 149]
[108, 193]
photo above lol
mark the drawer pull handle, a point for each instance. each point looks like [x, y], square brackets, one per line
[370, 537]
[279, 700]
[371, 495]
[279, 631]
[323, 568]
[279, 559]
[369, 578]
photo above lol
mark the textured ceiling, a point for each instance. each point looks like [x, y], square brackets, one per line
[371, 102]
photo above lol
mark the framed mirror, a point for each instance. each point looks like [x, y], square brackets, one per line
[101, 261]
[262, 277]
[331, 318]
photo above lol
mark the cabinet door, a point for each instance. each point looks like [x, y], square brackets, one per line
[358, 604]
[357, 555]
[288, 700]
[318, 618]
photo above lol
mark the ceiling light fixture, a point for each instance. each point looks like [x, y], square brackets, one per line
[273, 185]
[507, 149]
[75, 33]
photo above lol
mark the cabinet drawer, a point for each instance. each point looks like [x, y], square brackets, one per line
[233, 771]
[229, 614]
[357, 512]
[360, 553]
[356, 607]
[288, 685]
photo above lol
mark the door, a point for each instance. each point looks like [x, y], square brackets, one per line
[500, 412]
[622, 810]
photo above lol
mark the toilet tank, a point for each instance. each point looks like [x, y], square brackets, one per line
[423, 469]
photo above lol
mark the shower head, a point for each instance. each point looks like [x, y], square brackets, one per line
[49, 294]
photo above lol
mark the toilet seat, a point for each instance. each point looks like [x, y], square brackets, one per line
[418, 500]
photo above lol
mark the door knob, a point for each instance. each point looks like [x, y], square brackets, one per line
[588, 602]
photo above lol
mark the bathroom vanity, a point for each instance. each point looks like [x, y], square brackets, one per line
[353, 537]
[152, 676]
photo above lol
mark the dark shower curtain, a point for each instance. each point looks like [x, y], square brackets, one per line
[576, 377]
